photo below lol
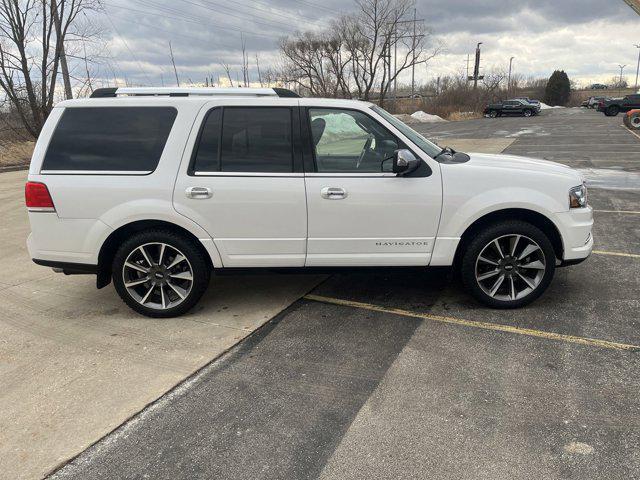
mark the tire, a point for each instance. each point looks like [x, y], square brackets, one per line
[493, 113]
[527, 113]
[632, 119]
[481, 260]
[173, 285]
[612, 111]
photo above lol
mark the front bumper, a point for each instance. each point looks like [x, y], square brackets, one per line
[575, 227]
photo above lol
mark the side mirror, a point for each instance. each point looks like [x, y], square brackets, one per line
[404, 162]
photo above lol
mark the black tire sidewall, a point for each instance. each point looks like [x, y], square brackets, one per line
[612, 111]
[199, 265]
[486, 235]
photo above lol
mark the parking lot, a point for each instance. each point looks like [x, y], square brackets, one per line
[390, 373]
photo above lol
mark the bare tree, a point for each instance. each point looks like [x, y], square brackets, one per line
[31, 45]
[245, 61]
[258, 68]
[227, 70]
[313, 62]
[356, 53]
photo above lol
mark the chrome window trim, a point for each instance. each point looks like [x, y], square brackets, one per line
[95, 172]
[246, 174]
[347, 174]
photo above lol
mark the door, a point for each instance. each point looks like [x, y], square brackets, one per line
[359, 213]
[243, 183]
[512, 107]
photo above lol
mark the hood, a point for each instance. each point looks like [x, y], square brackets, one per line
[514, 162]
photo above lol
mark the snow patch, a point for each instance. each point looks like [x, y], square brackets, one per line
[424, 117]
[544, 106]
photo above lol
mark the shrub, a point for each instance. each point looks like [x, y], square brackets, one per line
[558, 90]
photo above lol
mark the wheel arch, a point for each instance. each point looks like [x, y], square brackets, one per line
[535, 218]
[115, 239]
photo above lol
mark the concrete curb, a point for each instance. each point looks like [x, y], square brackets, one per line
[13, 168]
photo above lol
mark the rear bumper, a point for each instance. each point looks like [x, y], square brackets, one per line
[68, 268]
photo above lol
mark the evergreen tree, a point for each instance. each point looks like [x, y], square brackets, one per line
[558, 89]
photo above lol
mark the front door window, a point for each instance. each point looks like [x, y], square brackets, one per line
[349, 141]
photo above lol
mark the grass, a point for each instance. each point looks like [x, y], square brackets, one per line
[16, 154]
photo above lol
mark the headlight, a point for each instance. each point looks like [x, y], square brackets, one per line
[578, 196]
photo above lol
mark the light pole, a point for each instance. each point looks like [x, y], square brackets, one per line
[620, 81]
[638, 68]
[509, 78]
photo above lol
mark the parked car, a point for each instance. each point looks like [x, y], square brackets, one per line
[585, 104]
[153, 188]
[532, 101]
[511, 107]
[612, 106]
[593, 102]
[598, 86]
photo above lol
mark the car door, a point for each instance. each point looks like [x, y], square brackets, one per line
[241, 179]
[359, 213]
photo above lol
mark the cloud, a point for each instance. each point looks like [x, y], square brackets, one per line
[587, 38]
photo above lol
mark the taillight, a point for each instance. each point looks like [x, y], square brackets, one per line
[37, 197]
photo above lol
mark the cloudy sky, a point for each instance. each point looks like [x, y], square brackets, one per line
[586, 38]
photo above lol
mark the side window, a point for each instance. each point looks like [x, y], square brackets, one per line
[349, 141]
[257, 139]
[207, 157]
[128, 139]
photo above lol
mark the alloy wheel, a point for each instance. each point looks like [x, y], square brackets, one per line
[510, 267]
[157, 275]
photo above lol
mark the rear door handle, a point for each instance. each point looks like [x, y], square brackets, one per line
[333, 193]
[198, 192]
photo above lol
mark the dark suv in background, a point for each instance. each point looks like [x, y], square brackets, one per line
[613, 106]
[511, 107]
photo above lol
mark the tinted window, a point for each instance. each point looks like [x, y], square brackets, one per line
[109, 139]
[350, 141]
[257, 140]
[207, 157]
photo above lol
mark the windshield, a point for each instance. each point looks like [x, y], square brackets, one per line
[422, 143]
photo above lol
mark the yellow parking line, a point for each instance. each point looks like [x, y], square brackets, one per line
[592, 342]
[616, 254]
[628, 212]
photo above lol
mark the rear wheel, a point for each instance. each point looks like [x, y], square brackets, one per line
[160, 273]
[612, 111]
[508, 265]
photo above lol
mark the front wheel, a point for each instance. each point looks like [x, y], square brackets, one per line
[493, 113]
[508, 265]
[159, 273]
[527, 113]
[612, 111]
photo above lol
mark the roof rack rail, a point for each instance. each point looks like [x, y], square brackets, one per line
[193, 91]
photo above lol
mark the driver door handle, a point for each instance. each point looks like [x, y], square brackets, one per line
[333, 193]
[198, 192]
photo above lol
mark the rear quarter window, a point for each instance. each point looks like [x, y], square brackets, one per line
[123, 139]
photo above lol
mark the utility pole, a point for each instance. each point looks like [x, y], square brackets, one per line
[68, 94]
[509, 78]
[638, 68]
[413, 46]
[476, 69]
[173, 62]
[395, 64]
[620, 81]
[468, 60]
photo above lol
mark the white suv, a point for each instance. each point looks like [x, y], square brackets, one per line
[153, 188]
